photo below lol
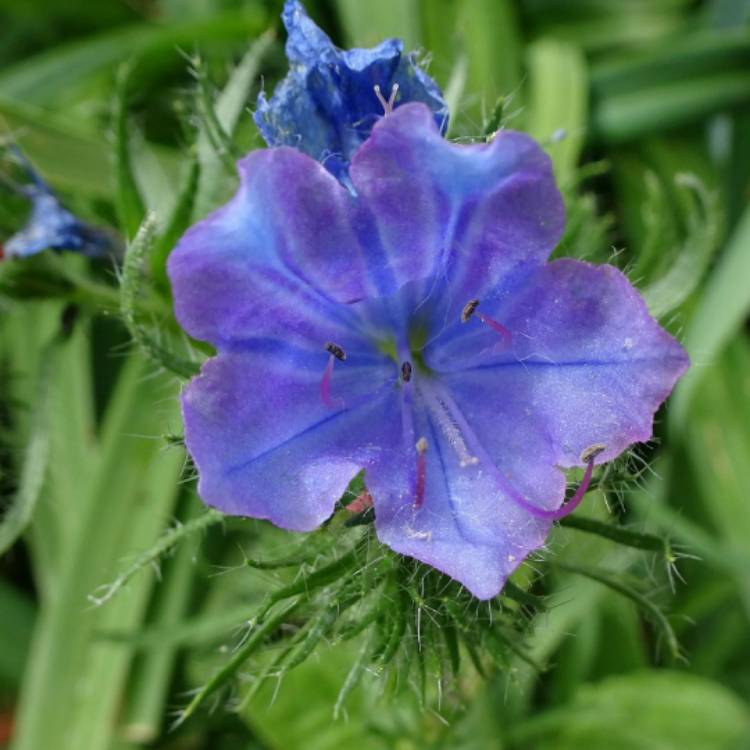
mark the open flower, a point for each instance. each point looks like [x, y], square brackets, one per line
[50, 226]
[325, 106]
[411, 328]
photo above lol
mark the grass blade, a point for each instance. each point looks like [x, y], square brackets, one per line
[36, 457]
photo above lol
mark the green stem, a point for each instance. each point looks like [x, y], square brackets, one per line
[626, 537]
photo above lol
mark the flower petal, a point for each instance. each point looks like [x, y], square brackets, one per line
[587, 365]
[279, 258]
[266, 445]
[470, 215]
[466, 527]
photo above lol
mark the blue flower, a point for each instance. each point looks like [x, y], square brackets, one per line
[411, 326]
[327, 105]
[50, 226]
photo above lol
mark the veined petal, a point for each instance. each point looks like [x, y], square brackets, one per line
[465, 527]
[587, 365]
[267, 446]
[281, 259]
[468, 215]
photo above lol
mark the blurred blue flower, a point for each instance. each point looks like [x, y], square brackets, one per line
[50, 226]
[331, 98]
[411, 326]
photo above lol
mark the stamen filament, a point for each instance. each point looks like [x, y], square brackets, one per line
[336, 353]
[421, 481]
[325, 386]
[449, 427]
[588, 456]
[470, 309]
[497, 327]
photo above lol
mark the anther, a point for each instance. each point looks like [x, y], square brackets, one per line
[386, 104]
[592, 452]
[406, 371]
[469, 309]
[336, 350]
[421, 480]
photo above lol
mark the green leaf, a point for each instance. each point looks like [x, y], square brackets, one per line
[664, 710]
[704, 230]
[80, 695]
[717, 443]
[128, 201]
[36, 457]
[616, 584]
[152, 675]
[695, 53]
[69, 157]
[625, 116]
[491, 37]
[41, 78]
[177, 223]
[720, 311]
[15, 627]
[367, 24]
[214, 184]
[166, 542]
[276, 717]
[558, 102]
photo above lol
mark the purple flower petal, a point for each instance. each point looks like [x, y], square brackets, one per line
[466, 526]
[587, 365]
[267, 446]
[276, 260]
[469, 216]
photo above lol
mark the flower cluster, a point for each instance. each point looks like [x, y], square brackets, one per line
[408, 324]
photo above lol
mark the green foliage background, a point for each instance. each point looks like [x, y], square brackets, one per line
[128, 107]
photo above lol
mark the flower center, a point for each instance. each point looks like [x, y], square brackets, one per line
[417, 380]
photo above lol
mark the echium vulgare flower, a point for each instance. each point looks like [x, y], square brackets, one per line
[50, 226]
[410, 326]
[325, 106]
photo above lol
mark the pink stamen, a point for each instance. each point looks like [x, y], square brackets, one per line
[566, 509]
[588, 456]
[325, 383]
[325, 386]
[499, 328]
[470, 309]
[420, 484]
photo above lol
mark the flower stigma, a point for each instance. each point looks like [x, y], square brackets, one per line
[387, 104]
